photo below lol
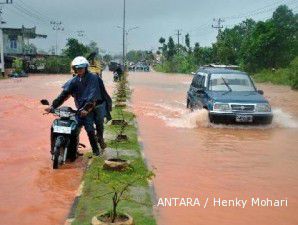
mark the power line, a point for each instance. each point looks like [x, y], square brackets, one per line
[38, 12]
[29, 12]
[57, 26]
[218, 26]
[25, 16]
[258, 11]
[31, 15]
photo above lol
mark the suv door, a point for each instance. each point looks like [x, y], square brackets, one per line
[196, 91]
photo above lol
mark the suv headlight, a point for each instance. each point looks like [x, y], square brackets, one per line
[221, 107]
[263, 107]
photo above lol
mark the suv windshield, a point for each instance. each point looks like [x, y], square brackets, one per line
[236, 82]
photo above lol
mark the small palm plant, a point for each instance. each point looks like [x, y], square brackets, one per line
[118, 190]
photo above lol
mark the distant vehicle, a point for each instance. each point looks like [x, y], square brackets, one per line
[230, 96]
[140, 66]
[113, 66]
[17, 75]
[131, 67]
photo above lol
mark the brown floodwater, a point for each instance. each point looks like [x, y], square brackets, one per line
[195, 159]
[31, 192]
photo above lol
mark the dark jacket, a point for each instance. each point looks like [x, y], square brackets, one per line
[85, 90]
[107, 100]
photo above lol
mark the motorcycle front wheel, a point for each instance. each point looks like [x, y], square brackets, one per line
[58, 152]
[56, 158]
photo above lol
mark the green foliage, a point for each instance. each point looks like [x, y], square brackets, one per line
[137, 56]
[284, 76]
[187, 42]
[118, 185]
[273, 43]
[257, 47]
[227, 49]
[74, 48]
[17, 65]
[92, 47]
[162, 40]
[294, 74]
[171, 49]
[107, 58]
[101, 185]
[57, 64]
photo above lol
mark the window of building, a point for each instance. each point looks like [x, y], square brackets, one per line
[13, 42]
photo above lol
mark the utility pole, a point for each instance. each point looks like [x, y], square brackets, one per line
[81, 33]
[178, 36]
[57, 26]
[126, 37]
[218, 26]
[124, 34]
[2, 63]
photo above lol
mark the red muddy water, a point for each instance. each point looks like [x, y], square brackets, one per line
[31, 193]
[198, 160]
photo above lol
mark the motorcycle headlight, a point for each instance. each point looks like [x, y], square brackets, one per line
[263, 107]
[64, 114]
[221, 107]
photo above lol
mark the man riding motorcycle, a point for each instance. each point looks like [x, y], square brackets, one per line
[85, 89]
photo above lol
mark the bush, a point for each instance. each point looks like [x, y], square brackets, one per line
[179, 64]
[56, 64]
[17, 65]
[293, 75]
[283, 76]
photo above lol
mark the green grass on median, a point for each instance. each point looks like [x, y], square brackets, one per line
[94, 200]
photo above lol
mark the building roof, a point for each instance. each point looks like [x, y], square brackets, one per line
[27, 32]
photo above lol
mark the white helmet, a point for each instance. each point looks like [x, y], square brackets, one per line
[79, 62]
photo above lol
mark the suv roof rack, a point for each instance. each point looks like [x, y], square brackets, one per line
[233, 67]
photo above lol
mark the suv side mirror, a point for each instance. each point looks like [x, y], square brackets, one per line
[261, 92]
[193, 73]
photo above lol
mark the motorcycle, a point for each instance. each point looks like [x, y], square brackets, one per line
[64, 135]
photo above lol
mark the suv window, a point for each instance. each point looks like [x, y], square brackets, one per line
[198, 81]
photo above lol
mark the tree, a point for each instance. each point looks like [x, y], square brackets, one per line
[17, 65]
[93, 47]
[286, 30]
[171, 49]
[107, 58]
[162, 40]
[187, 43]
[164, 47]
[135, 56]
[74, 48]
[197, 53]
[229, 42]
[273, 43]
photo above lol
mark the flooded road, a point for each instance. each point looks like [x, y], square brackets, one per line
[31, 193]
[194, 159]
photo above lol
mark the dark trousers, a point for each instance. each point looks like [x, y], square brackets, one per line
[88, 122]
[99, 115]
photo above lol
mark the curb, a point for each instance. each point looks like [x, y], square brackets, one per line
[71, 214]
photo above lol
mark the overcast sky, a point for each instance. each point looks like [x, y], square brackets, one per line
[155, 18]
